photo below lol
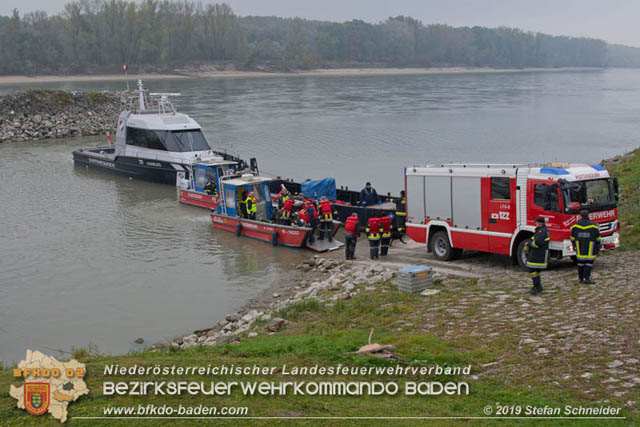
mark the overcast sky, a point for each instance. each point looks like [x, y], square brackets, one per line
[616, 21]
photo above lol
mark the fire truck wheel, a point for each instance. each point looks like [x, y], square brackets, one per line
[521, 254]
[441, 247]
[574, 259]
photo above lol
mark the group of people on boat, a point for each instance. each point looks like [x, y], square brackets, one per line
[305, 212]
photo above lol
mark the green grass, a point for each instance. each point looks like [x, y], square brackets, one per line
[628, 173]
[327, 335]
[98, 97]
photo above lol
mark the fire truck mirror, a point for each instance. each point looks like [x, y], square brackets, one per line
[615, 187]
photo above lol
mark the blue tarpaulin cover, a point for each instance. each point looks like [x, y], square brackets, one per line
[318, 188]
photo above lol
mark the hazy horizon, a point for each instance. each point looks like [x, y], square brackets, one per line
[577, 18]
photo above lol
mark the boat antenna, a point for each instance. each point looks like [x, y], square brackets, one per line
[124, 68]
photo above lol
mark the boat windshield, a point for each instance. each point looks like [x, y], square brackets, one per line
[186, 140]
[596, 193]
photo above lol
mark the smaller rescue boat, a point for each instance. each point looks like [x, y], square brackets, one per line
[264, 223]
[200, 187]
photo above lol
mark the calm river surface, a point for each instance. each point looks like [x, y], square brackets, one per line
[87, 258]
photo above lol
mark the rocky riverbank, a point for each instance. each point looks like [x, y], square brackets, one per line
[45, 114]
[324, 278]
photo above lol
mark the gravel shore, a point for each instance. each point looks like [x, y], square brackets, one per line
[46, 114]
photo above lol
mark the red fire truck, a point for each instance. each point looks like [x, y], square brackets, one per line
[492, 208]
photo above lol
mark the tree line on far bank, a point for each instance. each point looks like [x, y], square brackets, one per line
[154, 35]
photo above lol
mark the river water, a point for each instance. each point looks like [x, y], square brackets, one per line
[92, 259]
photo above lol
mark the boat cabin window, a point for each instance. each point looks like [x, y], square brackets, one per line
[230, 199]
[175, 140]
[186, 140]
[201, 180]
[257, 192]
[145, 138]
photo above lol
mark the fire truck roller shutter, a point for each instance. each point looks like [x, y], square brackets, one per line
[415, 208]
[415, 188]
[467, 207]
[467, 214]
[438, 197]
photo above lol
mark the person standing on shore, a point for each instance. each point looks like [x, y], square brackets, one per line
[385, 225]
[373, 234]
[538, 255]
[401, 215]
[585, 237]
[351, 232]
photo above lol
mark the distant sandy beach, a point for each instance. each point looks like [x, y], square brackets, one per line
[8, 80]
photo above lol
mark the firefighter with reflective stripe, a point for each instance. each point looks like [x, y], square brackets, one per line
[538, 255]
[401, 216]
[585, 237]
[326, 219]
[385, 225]
[351, 233]
[282, 196]
[252, 206]
[211, 188]
[287, 208]
[373, 234]
[311, 218]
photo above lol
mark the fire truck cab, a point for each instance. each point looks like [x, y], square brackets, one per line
[492, 208]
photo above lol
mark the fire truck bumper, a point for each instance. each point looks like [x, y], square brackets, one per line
[608, 242]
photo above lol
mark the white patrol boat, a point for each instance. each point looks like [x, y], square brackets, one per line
[153, 141]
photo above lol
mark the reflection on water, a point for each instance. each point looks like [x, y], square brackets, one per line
[87, 257]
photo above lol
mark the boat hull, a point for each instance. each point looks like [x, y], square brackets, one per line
[201, 200]
[143, 169]
[104, 159]
[290, 236]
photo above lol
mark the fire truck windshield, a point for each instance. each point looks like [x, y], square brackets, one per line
[596, 193]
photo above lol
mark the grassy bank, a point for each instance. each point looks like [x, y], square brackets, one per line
[627, 169]
[423, 332]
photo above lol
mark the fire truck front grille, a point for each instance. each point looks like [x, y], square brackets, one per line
[606, 227]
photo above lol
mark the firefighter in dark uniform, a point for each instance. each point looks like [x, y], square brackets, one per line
[400, 218]
[373, 234]
[385, 224]
[326, 219]
[585, 236]
[351, 233]
[211, 188]
[538, 255]
[242, 204]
